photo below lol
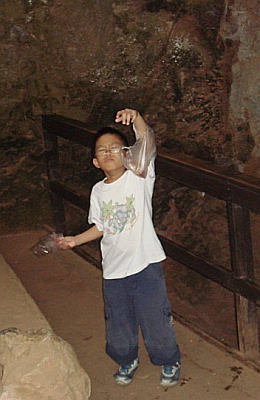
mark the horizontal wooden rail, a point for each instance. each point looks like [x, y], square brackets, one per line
[69, 129]
[69, 195]
[220, 182]
[240, 192]
[211, 271]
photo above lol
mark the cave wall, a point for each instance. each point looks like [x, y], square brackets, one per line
[240, 31]
[85, 59]
[190, 66]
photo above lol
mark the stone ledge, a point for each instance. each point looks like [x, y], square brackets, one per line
[17, 308]
[35, 364]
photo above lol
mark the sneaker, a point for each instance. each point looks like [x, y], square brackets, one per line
[170, 375]
[125, 373]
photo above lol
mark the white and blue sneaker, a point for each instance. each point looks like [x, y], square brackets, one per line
[125, 373]
[170, 375]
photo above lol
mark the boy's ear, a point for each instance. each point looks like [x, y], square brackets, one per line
[95, 163]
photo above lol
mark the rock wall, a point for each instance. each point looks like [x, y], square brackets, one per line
[240, 27]
[190, 66]
[86, 59]
[61, 55]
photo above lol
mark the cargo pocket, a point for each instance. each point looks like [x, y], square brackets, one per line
[167, 312]
[108, 323]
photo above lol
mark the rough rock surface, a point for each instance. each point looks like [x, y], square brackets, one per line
[240, 29]
[40, 365]
[190, 66]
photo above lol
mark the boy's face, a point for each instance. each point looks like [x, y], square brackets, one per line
[106, 159]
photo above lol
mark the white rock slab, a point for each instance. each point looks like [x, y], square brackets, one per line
[40, 365]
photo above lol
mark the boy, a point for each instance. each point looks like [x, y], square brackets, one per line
[133, 282]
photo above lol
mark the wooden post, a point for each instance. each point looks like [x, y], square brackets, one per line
[243, 268]
[247, 327]
[52, 160]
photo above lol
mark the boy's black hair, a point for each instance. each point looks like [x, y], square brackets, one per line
[104, 131]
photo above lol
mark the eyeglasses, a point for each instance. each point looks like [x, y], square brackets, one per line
[112, 150]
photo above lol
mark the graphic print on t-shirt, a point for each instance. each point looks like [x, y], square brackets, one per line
[118, 217]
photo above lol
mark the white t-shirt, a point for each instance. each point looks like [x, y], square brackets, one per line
[123, 211]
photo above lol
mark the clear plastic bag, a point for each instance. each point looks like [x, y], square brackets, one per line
[46, 245]
[137, 157]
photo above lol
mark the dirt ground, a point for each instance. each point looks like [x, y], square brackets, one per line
[68, 292]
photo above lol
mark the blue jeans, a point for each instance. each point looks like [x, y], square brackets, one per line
[139, 300]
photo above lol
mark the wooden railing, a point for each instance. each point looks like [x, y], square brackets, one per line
[240, 192]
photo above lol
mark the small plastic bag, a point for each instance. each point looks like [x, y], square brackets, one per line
[46, 245]
[137, 157]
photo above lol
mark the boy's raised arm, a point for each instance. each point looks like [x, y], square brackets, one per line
[128, 116]
[137, 157]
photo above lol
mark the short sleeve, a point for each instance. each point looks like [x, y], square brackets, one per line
[94, 215]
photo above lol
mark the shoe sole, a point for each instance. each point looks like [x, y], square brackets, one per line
[120, 383]
[168, 384]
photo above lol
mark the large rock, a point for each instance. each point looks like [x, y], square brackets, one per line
[39, 365]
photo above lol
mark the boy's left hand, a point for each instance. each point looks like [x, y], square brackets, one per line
[126, 116]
